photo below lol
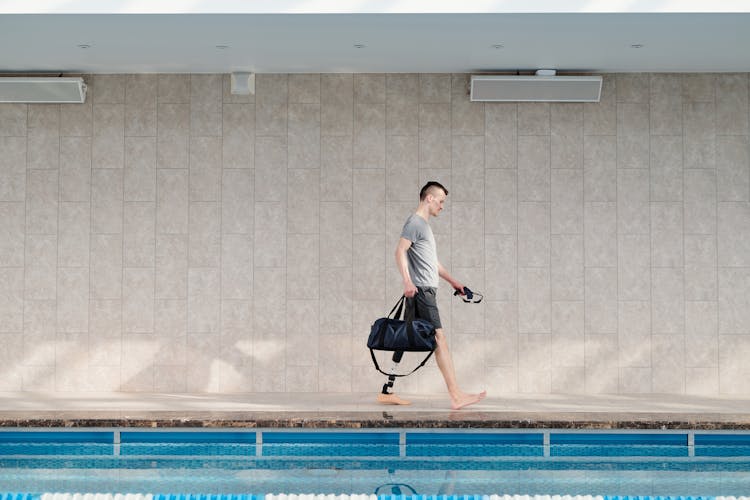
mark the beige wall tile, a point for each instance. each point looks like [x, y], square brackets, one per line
[12, 234]
[601, 118]
[106, 266]
[171, 266]
[303, 266]
[534, 300]
[76, 119]
[733, 168]
[106, 201]
[105, 319]
[336, 228]
[435, 136]
[303, 205]
[700, 201]
[336, 169]
[138, 300]
[237, 201]
[501, 208]
[41, 201]
[434, 88]
[73, 299]
[534, 363]
[666, 168]
[13, 118]
[734, 234]
[567, 201]
[533, 168]
[369, 88]
[108, 89]
[669, 374]
[632, 87]
[270, 235]
[602, 373]
[139, 242]
[174, 88]
[534, 118]
[108, 140]
[467, 169]
[238, 135]
[734, 301]
[501, 267]
[600, 168]
[236, 266]
[666, 234]
[566, 135]
[11, 300]
[633, 206]
[204, 239]
[634, 267]
[600, 234]
[205, 169]
[402, 104]
[270, 169]
[734, 374]
[369, 136]
[500, 135]
[43, 136]
[337, 104]
[204, 302]
[140, 169]
[12, 168]
[402, 168]
[304, 136]
[731, 104]
[668, 301]
[41, 268]
[533, 234]
[567, 271]
[601, 300]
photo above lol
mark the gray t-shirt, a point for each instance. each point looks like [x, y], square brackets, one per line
[422, 254]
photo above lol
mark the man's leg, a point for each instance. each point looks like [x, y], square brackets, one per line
[459, 399]
[386, 396]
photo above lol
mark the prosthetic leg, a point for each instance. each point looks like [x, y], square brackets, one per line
[386, 396]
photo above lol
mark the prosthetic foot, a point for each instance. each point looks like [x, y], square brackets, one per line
[386, 397]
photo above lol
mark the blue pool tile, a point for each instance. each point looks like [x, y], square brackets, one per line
[56, 437]
[187, 437]
[618, 439]
[507, 438]
[331, 437]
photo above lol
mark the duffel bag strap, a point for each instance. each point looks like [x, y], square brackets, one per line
[397, 308]
[377, 366]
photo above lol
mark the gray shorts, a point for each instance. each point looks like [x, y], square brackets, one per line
[425, 302]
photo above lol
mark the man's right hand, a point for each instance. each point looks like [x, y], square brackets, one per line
[410, 290]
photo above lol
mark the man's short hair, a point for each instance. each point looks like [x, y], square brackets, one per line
[430, 187]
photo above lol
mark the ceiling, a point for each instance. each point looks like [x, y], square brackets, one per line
[413, 43]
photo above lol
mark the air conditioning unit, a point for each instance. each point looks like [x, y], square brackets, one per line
[535, 88]
[58, 90]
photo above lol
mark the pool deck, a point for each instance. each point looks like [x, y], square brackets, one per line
[330, 410]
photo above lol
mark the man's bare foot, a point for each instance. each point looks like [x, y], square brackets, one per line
[391, 399]
[467, 399]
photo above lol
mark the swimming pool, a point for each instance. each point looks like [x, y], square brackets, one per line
[374, 462]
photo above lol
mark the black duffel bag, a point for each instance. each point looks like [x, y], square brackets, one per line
[401, 335]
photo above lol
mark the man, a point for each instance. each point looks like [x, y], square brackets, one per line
[417, 261]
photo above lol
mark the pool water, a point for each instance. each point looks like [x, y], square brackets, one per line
[400, 462]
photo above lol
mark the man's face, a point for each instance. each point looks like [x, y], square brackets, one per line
[436, 201]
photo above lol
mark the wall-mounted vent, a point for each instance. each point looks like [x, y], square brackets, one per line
[517, 88]
[42, 89]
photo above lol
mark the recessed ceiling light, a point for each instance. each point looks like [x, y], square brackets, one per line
[636, 46]
[84, 46]
[497, 46]
[222, 46]
[359, 46]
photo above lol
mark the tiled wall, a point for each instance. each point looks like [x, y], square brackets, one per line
[169, 236]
